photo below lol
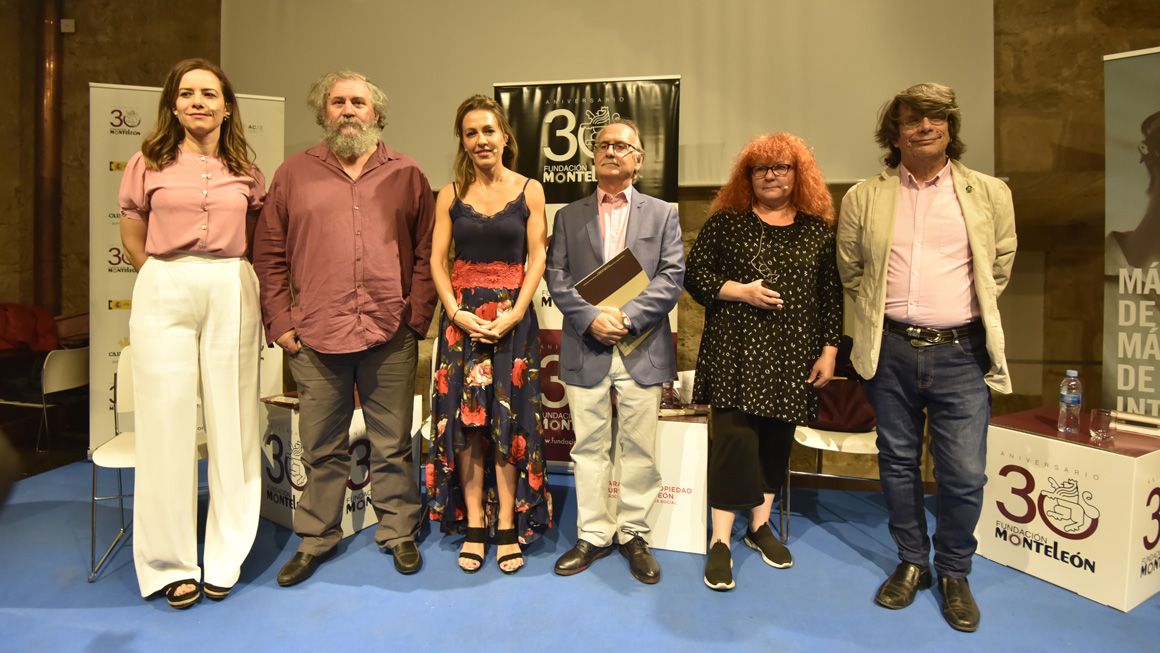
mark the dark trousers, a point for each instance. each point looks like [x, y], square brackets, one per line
[947, 381]
[385, 378]
[747, 457]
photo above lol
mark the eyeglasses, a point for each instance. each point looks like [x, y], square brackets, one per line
[618, 148]
[915, 121]
[778, 169]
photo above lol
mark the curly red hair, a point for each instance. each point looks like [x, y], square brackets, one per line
[810, 193]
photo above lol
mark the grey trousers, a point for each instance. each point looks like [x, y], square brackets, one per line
[385, 378]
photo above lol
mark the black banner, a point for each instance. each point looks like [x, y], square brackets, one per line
[556, 124]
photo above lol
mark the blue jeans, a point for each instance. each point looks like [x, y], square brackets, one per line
[947, 381]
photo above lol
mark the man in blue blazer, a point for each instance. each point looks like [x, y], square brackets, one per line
[587, 233]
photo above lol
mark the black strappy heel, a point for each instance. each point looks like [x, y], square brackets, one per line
[474, 536]
[504, 537]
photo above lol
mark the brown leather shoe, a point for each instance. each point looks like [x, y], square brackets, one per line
[580, 557]
[407, 557]
[641, 563]
[300, 567]
[958, 605]
[898, 591]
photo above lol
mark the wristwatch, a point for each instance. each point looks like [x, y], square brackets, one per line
[625, 321]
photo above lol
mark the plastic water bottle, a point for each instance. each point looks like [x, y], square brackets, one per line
[1070, 401]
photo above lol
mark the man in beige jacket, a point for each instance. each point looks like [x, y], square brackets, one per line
[924, 250]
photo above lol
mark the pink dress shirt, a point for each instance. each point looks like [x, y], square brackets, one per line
[928, 278]
[345, 262]
[613, 220]
[193, 205]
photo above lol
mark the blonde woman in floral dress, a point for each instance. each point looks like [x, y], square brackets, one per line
[485, 475]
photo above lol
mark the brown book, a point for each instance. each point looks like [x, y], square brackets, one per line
[616, 283]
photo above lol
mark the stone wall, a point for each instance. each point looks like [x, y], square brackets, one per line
[1049, 117]
[17, 133]
[116, 42]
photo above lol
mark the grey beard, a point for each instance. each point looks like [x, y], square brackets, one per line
[349, 146]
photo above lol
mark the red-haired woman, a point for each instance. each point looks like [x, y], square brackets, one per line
[764, 268]
[188, 202]
[486, 470]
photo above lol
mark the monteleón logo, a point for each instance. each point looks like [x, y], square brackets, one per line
[124, 123]
[1068, 511]
[569, 143]
[1065, 509]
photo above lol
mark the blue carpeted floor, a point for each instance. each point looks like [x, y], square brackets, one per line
[824, 603]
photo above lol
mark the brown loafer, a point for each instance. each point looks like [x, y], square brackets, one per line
[408, 560]
[300, 567]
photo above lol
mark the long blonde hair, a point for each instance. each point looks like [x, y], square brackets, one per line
[464, 168]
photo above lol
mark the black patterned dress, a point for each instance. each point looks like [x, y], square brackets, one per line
[489, 391]
[758, 360]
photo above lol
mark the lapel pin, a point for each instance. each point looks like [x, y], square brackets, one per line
[970, 188]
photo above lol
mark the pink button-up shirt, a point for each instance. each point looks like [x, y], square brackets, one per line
[346, 262]
[193, 205]
[613, 221]
[928, 278]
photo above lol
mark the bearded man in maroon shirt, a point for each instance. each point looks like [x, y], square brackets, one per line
[342, 253]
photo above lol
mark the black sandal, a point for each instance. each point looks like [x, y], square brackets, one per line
[474, 536]
[182, 601]
[215, 593]
[504, 537]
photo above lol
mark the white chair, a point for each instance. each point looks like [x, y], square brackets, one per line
[119, 453]
[63, 369]
[821, 440]
[421, 426]
[420, 433]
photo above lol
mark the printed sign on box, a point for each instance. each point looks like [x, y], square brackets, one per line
[1081, 516]
[678, 518]
[284, 477]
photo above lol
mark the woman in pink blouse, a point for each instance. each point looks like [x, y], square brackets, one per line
[188, 201]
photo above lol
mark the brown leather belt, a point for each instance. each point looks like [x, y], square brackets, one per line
[926, 336]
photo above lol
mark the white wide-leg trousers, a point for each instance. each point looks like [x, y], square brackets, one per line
[195, 320]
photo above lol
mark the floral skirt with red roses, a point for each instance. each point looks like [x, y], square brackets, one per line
[491, 392]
